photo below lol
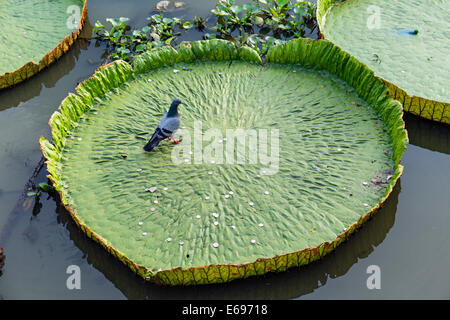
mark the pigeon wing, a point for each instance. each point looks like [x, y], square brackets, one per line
[165, 129]
[169, 125]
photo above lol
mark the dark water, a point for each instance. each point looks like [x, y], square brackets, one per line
[409, 239]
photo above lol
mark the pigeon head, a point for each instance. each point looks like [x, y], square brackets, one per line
[176, 102]
[173, 111]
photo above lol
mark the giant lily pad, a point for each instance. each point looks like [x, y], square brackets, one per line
[34, 34]
[407, 43]
[197, 220]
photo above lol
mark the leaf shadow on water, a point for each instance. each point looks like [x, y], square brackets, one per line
[428, 134]
[2, 262]
[293, 283]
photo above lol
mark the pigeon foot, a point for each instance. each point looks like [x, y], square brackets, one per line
[174, 141]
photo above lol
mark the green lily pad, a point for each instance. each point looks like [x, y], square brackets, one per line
[183, 214]
[34, 34]
[407, 43]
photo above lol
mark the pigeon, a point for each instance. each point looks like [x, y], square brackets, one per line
[168, 125]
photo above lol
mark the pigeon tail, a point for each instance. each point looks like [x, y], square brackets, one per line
[153, 142]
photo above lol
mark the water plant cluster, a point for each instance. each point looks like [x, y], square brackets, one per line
[43, 187]
[263, 22]
[123, 43]
[259, 24]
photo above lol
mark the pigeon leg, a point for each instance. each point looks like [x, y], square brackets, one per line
[174, 141]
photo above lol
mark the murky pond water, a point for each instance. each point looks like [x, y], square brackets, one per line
[409, 239]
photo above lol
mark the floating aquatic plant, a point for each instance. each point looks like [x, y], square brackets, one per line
[262, 24]
[278, 16]
[123, 42]
[37, 191]
[315, 201]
